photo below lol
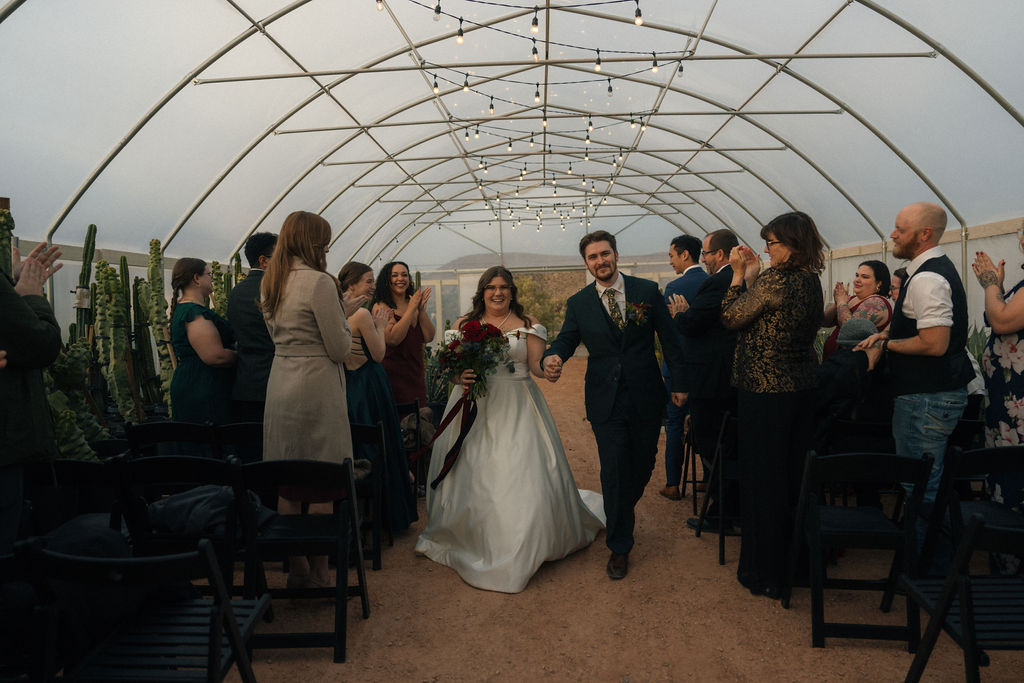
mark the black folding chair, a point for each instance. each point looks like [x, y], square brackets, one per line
[173, 438]
[165, 498]
[193, 639]
[829, 526]
[978, 612]
[307, 534]
[243, 440]
[723, 469]
[690, 457]
[58, 491]
[371, 489]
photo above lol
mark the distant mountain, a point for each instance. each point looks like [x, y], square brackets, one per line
[526, 260]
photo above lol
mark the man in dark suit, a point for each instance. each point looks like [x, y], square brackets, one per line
[684, 256]
[255, 348]
[709, 346]
[616, 317]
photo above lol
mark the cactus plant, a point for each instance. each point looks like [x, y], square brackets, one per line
[6, 235]
[237, 265]
[75, 424]
[220, 300]
[83, 307]
[158, 319]
[145, 369]
[113, 338]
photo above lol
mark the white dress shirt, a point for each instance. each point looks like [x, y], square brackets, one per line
[929, 298]
[620, 294]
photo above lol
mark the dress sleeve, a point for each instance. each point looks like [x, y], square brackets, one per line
[330, 319]
[740, 309]
[538, 330]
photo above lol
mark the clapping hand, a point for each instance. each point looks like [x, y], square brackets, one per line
[744, 260]
[840, 294]
[987, 272]
[552, 368]
[35, 269]
[45, 255]
[382, 315]
[352, 303]
[422, 296]
[677, 304]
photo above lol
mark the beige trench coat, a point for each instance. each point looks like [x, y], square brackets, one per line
[307, 412]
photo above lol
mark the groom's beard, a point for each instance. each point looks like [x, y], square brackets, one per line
[605, 274]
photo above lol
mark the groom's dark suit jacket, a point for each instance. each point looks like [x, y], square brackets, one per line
[621, 357]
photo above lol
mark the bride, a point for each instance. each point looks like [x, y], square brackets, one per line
[510, 503]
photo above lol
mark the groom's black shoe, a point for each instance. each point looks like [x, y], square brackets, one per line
[618, 566]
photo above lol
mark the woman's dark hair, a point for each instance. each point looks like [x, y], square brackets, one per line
[882, 276]
[797, 231]
[477, 312]
[382, 289]
[351, 273]
[181, 276]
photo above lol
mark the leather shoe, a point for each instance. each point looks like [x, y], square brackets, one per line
[618, 566]
[671, 492]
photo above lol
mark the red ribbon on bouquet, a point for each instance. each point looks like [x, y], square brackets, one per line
[468, 408]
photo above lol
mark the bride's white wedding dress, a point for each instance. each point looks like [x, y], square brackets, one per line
[510, 502]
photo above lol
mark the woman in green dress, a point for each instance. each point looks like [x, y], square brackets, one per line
[201, 386]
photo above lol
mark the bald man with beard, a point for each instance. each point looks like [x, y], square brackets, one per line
[925, 346]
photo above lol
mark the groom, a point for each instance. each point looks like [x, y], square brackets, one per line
[616, 317]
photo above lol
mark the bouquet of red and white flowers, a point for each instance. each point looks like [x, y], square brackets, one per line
[479, 347]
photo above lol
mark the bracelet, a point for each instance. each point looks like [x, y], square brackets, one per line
[885, 345]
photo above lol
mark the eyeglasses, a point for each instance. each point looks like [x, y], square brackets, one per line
[705, 253]
[769, 243]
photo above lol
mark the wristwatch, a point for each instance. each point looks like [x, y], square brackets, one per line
[885, 345]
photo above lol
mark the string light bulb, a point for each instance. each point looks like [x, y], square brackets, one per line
[536, 55]
[480, 162]
[531, 139]
[459, 36]
[583, 181]
[467, 134]
[380, 5]
[654, 64]
[590, 123]
[588, 139]
[476, 133]
[570, 168]
[643, 125]
[485, 168]
[437, 11]
[620, 155]
[544, 121]
[517, 190]
[610, 91]
[510, 144]
[536, 95]
[491, 108]
[632, 121]
[638, 16]
[465, 84]
[535, 25]
[597, 62]
[586, 156]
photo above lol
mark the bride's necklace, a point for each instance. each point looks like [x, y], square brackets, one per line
[503, 321]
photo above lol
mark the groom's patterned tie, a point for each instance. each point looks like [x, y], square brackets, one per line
[613, 309]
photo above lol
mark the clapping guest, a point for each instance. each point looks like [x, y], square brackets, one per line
[30, 337]
[871, 284]
[369, 393]
[1004, 379]
[776, 314]
[202, 382]
[307, 409]
[407, 333]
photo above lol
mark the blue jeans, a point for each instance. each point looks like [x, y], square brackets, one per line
[675, 417]
[921, 425]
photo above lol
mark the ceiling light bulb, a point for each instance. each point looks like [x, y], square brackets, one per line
[590, 124]
[459, 37]
[536, 55]
[437, 12]
[643, 126]
[654, 64]
[583, 181]
[620, 155]
[632, 121]
[588, 139]
[491, 108]
[586, 156]
[480, 163]
[476, 133]
[467, 135]
[510, 144]
[465, 84]
[610, 91]
[597, 62]
[544, 121]
[534, 25]
[536, 95]
[531, 140]
[485, 168]
[570, 169]
[380, 5]
[638, 17]
[517, 190]
[436, 89]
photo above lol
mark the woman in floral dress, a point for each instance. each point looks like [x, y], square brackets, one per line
[1003, 363]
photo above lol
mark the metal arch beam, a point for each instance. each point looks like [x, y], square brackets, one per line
[948, 54]
[809, 83]
[155, 109]
[8, 9]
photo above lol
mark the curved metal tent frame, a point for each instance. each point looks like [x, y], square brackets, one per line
[737, 79]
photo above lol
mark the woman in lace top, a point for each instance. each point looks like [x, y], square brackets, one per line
[776, 314]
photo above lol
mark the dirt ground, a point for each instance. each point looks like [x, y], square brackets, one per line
[677, 616]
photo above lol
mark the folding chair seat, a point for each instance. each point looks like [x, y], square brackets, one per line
[58, 491]
[243, 440]
[979, 613]
[173, 438]
[306, 535]
[969, 466]
[723, 469]
[188, 640]
[371, 489]
[827, 526]
[170, 502]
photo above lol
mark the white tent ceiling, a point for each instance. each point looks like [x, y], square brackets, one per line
[200, 122]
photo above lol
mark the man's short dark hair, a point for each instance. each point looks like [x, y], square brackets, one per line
[722, 239]
[597, 236]
[259, 244]
[689, 244]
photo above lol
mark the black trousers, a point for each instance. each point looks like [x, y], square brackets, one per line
[627, 444]
[775, 433]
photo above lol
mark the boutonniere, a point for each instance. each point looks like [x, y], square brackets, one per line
[636, 313]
